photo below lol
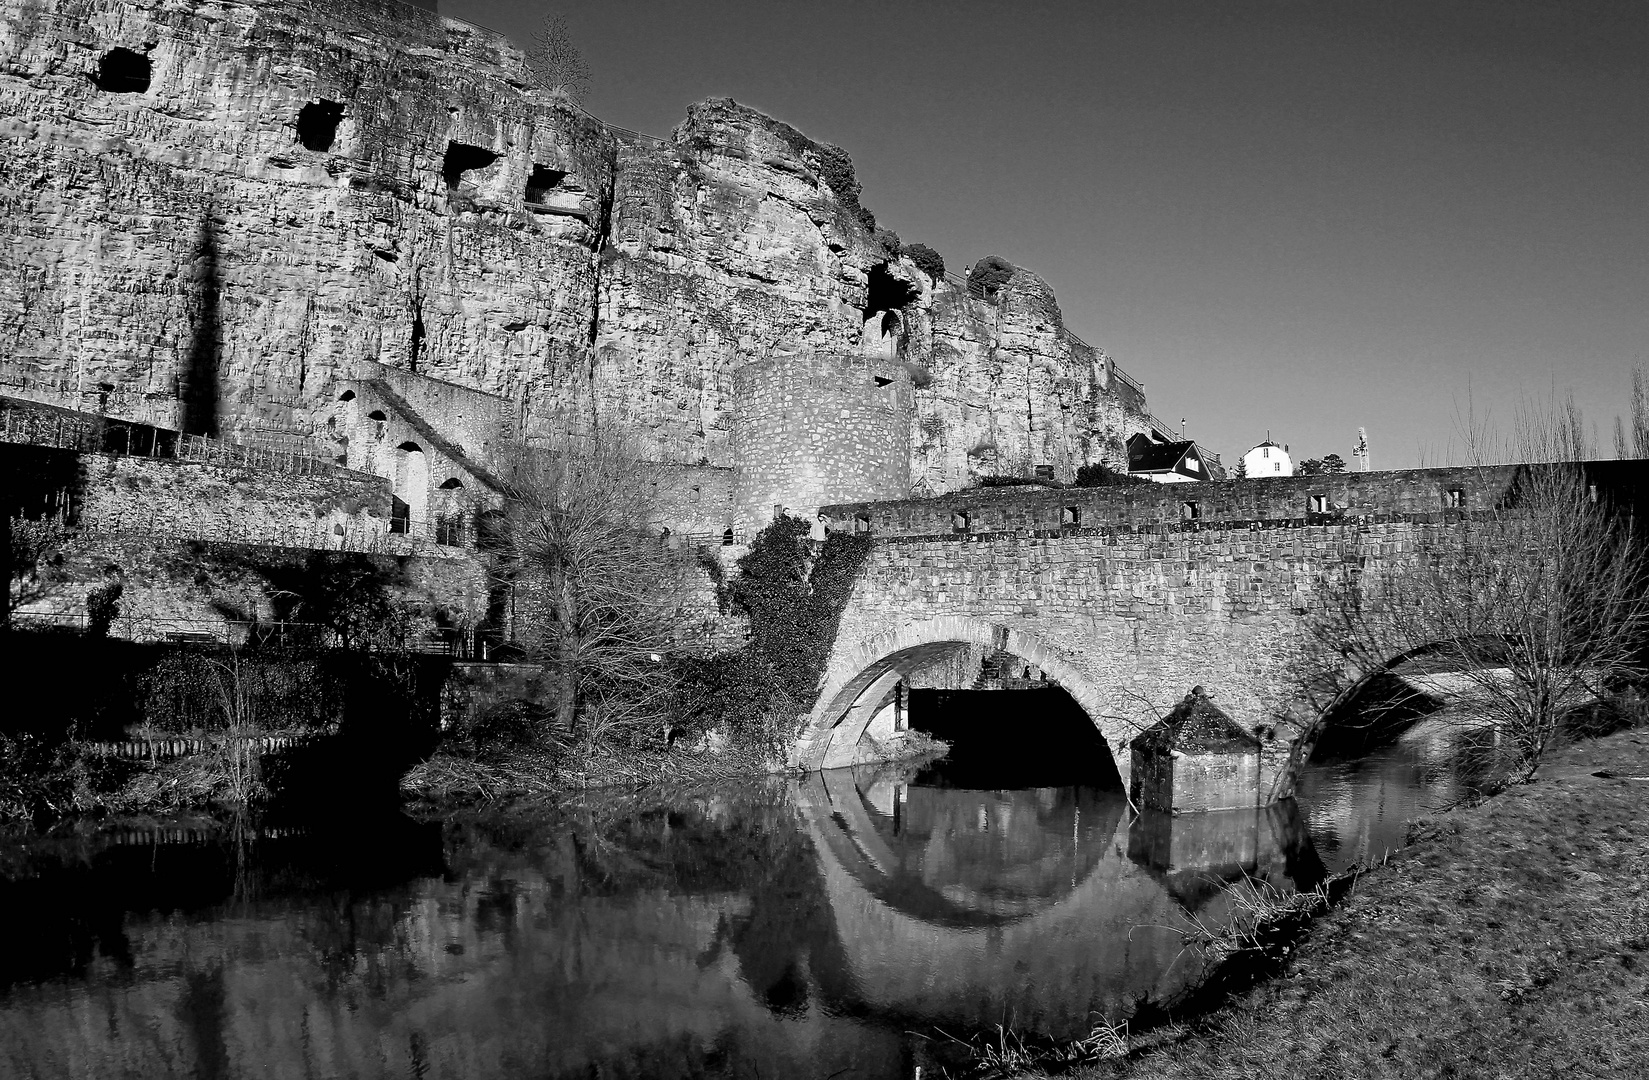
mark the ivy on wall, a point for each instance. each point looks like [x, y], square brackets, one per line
[793, 592]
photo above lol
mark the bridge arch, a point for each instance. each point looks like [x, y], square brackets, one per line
[862, 677]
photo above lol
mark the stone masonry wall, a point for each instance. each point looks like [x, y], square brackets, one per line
[1303, 499]
[195, 501]
[1140, 617]
[814, 428]
[199, 587]
[696, 502]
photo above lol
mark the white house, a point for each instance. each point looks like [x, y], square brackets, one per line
[1267, 459]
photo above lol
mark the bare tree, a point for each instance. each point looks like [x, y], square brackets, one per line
[595, 582]
[1637, 444]
[556, 62]
[1540, 601]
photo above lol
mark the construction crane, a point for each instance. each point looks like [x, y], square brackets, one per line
[1360, 451]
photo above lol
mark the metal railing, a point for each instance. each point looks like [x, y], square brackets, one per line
[1125, 378]
[42, 424]
[262, 459]
[726, 538]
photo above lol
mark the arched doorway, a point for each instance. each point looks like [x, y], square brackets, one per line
[409, 480]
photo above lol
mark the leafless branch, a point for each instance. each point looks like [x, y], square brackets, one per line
[597, 588]
[556, 62]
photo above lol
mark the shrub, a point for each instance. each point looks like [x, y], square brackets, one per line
[1015, 481]
[989, 276]
[927, 260]
[1098, 474]
[793, 595]
[41, 779]
[103, 605]
[835, 168]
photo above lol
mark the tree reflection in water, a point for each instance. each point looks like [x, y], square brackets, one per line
[782, 927]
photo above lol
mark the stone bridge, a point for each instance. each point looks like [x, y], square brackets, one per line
[1126, 596]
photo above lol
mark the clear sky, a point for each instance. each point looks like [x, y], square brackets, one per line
[1301, 217]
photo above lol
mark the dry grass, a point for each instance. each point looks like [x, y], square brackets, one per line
[533, 774]
[1510, 940]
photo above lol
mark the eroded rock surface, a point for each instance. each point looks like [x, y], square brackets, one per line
[211, 212]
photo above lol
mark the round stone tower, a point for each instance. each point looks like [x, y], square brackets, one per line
[818, 428]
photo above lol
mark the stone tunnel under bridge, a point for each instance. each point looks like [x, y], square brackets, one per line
[1128, 597]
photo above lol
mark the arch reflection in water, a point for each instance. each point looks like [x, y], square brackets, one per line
[967, 908]
[781, 928]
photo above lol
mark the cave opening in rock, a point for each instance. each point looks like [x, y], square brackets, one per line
[542, 181]
[122, 71]
[886, 293]
[318, 124]
[1032, 733]
[462, 158]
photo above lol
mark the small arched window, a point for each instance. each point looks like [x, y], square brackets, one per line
[379, 422]
[451, 483]
[410, 448]
[347, 395]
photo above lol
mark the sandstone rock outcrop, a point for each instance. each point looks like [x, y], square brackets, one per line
[211, 212]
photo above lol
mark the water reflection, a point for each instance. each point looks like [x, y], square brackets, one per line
[1358, 808]
[792, 928]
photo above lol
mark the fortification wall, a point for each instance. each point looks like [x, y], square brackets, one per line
[696, 501]
[173, 587]
[814, 428]
[195, 501]
[475, 422]
[1434, 493]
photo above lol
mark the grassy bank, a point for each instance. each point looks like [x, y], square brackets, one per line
[1510, 939]
[535, 773]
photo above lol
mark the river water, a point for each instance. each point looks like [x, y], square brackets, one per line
[845, 924]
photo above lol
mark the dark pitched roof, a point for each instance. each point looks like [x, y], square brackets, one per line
[1155, 456]
[1195, 724]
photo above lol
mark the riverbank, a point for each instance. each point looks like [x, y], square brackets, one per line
[1508, 939]
[448, 778]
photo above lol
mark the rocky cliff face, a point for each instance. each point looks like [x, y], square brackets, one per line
[212, 211]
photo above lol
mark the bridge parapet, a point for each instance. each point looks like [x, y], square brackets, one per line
[1413, 495]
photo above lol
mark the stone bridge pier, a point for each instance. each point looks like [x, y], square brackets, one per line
[1128, 597]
